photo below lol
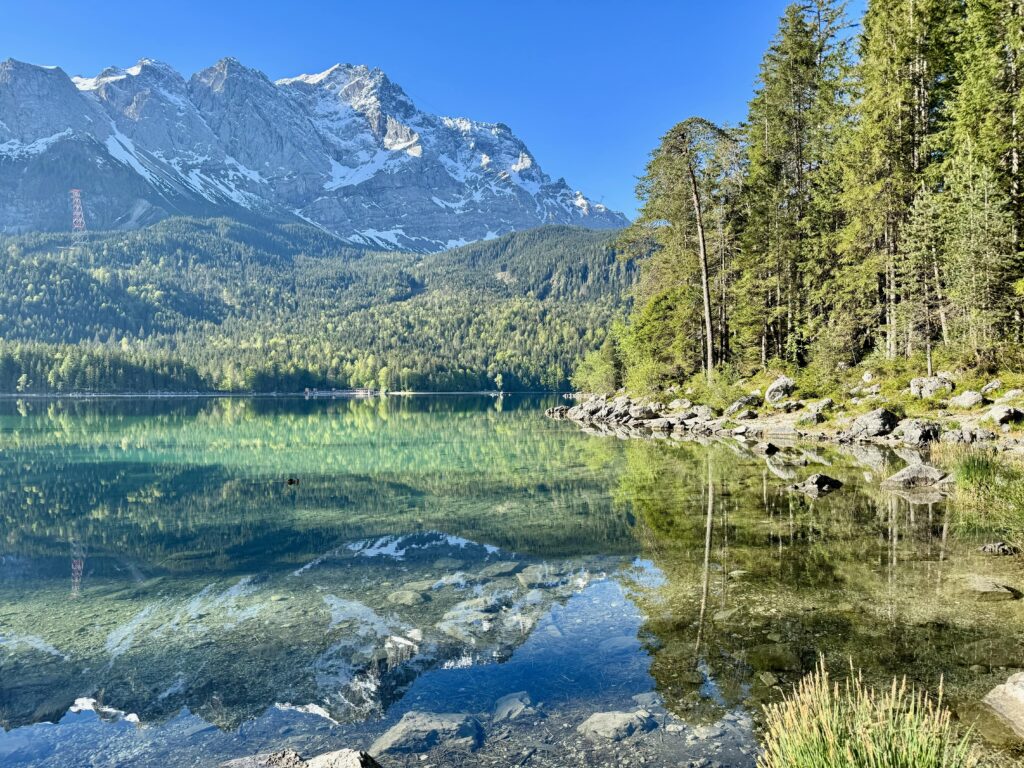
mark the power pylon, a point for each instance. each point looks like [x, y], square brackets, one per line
[77, 218]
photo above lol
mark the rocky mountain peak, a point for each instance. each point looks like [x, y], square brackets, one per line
[345, 149]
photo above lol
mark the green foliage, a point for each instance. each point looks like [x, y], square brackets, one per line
[989, 492]
[828, 725]
[870, 205]
[218, 305]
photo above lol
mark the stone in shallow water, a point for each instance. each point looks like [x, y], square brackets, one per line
[421, 731]
[817, 485]
[774, 657]
[985, 589]
[1007, 701]
[512, 706]
[615, 726]
[407, 597]
[503, 568]
[914, 476]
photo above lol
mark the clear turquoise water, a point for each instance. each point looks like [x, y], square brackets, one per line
[168, 596]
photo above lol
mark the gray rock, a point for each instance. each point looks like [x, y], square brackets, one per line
[502, 568]
[876, 423]
[1007, 701]
[512, 706]
[779, 389]
[287, 758]
[967, 399]
[766, 449]
[914, 476]
[931, 386]
[811, 419]
[992, 387]
[1010, 394]
[704, 412]
[407, 598]
[999, 548]
[343, 758]
[615, 726]
[817, 485]
[1004, 414]
[679, 404]
[917, 432]
[743, 403]
[422, 731]
[820, 406]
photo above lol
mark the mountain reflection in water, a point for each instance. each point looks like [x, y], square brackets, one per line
[167, 594]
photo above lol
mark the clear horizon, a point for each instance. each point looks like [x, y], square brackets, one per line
[589, 88]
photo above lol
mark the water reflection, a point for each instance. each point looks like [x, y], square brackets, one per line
[305, 571]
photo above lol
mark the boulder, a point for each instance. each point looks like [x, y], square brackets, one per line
[680, 404]
[704, 412]
[407, 598]
[811, 418]
[1007, 701]
[512, 706]
[501, 568]
[743, 403]
[536, 576]
[343, 758]
[1010, 394]
[817, 485]
[820, 406]
[643, 411]
[779, 389]
[615, 726]
[931, 386]
[766, 449]
[968, 399]
[287, 758]
[1004, 414]
[788, 406]
[876, 423]
[422, 731]
[914, 476]
[999, 548]
[917, 432]
[746, 415]
[992, 387]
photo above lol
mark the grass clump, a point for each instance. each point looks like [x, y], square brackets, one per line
[989, 493]
[828, 725]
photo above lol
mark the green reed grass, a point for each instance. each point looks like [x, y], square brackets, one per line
[827, 725]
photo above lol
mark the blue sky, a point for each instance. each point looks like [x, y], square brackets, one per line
[590, 85]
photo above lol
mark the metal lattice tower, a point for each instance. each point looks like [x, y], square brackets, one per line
[77, 217]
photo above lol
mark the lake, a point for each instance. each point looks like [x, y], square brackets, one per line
[186, 581]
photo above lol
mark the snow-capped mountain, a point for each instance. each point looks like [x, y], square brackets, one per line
[345, 149]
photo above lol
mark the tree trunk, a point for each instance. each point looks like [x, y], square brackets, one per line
[703, 253]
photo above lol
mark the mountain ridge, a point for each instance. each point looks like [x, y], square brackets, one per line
[346, 150]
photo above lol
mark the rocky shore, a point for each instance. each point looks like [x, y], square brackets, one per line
[987, 416]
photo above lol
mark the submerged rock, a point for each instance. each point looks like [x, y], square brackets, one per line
[984, 589]
[343, 758]
[422, 731]
[1007, 701]
[817, 485]
[914, 476]
[407, 598]
[512, 706]
[615, 726]
[773, 657]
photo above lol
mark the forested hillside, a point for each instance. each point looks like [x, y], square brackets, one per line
[218, 305]
[869, 208]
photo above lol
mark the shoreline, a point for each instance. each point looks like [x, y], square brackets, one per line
[348, 394]
[777, 415]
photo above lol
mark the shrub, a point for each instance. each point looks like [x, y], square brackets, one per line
[826, 725]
